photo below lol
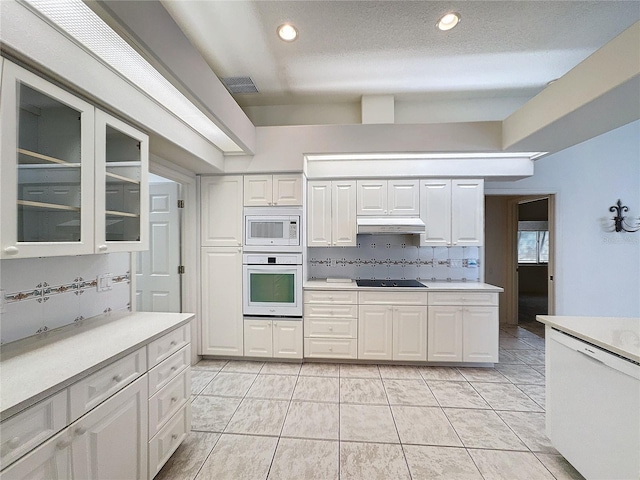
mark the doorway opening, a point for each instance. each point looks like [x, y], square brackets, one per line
[532, 246]
[519, 242]
[158, 278]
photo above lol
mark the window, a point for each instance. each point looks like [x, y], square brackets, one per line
[533, 242]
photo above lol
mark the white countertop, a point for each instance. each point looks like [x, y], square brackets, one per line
[615, 334]
[322, 284]
[33, 368]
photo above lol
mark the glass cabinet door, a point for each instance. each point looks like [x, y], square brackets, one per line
[122, 158]
[47, 168]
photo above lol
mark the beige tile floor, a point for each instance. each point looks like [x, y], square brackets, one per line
[254, 420]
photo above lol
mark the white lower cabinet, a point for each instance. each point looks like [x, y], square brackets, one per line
[331, 324]
[445, 334]
[410, 333]
[375, 332]
[463, 333]
[273, 338]
[480, 335]
[388, 332]
[110, 442]
[125, 428]
[222, 328]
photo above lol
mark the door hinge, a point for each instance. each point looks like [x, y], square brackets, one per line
[180, 203]
[180, 269]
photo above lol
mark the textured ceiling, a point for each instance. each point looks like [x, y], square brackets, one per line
[351, 48]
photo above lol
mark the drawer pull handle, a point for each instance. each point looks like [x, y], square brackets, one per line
[331, 329]
[174, 437]
[62, 444]
[174, 368]
[174, 399]
[81, 431]
[14, 443]
[173, 343]
[117, 378]
[331, 349]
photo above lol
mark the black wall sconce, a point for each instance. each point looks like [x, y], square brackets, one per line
[619, 220]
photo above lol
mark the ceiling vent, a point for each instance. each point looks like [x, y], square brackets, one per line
[239, 85]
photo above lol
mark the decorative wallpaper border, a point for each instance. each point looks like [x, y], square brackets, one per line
[43, 291]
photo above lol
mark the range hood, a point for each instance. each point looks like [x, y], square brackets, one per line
[398, 225]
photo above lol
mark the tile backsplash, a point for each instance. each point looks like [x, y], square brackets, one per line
[397, 257]
[40, 294]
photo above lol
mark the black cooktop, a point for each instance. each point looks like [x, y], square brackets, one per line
[389, 283]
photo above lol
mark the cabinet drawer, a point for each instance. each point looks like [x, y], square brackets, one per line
[162, 373]
[164, 404]
[165, 346]
[167, 440]
[331, 296]
[331, 327]
[329, 310]
[97, 387]
[463, 298]
[29, 428]
[392, 298]
[330, 348]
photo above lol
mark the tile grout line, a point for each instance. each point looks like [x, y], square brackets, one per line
[395, 425]
[284, 421]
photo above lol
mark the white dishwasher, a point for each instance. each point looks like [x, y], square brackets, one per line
[593, 408]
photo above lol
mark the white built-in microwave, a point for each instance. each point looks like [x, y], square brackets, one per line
[272, 229]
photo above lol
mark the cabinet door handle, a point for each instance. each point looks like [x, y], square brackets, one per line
[102, 248]
[174, 436]
[11, 250]
[174, 368]
[117, 378]
[14, 443]
[331, 329]
[80, 431]
[174, 399]
[331, 349]
[62, 444]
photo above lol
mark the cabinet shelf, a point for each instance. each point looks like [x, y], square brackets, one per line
[115, 213]
[122, 178]
[50, 206]
[27, 157]
[123, 163]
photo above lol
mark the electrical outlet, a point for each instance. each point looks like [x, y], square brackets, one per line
[104, 282]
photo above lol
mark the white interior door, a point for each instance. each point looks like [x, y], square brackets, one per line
[157, 278]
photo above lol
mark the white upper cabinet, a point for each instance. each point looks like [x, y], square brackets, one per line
[331, 213]
[122, 189]
[221, 211]
[47, 168]
[453, 212]
[388, 197]
[343, 206]
[272, 190]
[372, 197]
[74, 179]
[467, 212]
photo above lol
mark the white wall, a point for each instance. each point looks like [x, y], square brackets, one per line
[597, 271]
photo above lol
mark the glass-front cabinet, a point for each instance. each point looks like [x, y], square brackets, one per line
[122, 197]
[74, 179]
[47, 168]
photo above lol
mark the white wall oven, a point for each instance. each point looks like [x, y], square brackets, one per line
[272, 229]
[272, 284]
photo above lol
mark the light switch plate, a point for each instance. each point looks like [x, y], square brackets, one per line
[104, 282]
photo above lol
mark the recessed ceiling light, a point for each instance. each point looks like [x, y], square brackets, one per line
[287, 32]
[448, 21]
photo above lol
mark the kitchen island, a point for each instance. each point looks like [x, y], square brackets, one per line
[439, 322]
[593, 393]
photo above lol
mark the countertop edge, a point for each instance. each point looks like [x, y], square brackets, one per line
[557, 323]
[16, 406]
[429, 287]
